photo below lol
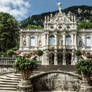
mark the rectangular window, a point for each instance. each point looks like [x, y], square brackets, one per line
[88, 41]
[32, 41]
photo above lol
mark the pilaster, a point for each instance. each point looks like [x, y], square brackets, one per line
[64, 57]
[27, 41]
[64, 39]
[55, 58]
[21, 41]
[56, 40]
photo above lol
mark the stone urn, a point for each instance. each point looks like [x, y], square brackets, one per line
[25, 84]
[26, 74]
[27, 55]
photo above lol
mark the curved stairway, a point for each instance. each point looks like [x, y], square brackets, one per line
[9, 82]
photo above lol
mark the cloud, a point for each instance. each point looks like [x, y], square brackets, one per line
[17, 8]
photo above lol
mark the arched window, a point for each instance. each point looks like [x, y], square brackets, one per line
[32, 41]
[68, 40]
[88, 41]
[52, 40]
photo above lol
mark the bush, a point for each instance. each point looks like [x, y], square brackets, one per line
[10, 52]
[22, 64]
[39, 52]
[4, 54]
[78, 52]
[84, 66]
[33, 27]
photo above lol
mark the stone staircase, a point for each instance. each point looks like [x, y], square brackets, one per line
[9, 82]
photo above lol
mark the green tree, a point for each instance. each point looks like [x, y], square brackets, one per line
[9, 32]
[39, 53]
[85, 25]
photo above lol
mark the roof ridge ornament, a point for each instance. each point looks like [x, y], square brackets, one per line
[59, 6]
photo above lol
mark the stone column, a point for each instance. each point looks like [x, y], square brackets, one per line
[64, 40]
[27, 41]
[73, 58]
[25, 86]
[21, 42]
[47, 39]
[64, 57]
[56, 40]
[83, 41]
[72, 38]
[75, 43]
[55, 58]
[36, 41]
[47, 57]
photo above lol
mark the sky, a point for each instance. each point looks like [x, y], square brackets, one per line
[22, 9]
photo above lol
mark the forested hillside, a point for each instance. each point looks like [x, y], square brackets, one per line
[81, 13]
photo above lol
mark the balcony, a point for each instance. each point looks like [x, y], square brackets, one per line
[61, 47]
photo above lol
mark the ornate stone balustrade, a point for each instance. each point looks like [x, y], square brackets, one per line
[61, 47]
[6, 61]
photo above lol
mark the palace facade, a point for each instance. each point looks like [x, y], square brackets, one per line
[59, 39]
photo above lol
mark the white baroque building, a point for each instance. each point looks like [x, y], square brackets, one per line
[59, 39]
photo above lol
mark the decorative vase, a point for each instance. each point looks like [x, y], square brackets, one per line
[26, 74]
[85, 77]
[27, 55]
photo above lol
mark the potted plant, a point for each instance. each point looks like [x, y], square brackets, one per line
[88, 55]
[84, 67]
[10, 52]
[27, 55]
[25, 66]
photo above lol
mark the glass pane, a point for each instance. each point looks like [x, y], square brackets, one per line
[52, 40]
[68, 40]
[88, 41]
[32, 41]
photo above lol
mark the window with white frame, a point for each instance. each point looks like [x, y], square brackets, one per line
[88, 41]
[52, 40]
[32, 41]
[68, 40]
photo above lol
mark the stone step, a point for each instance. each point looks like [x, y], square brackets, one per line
[10, 89]
[8, 86]
[7, 80]
[8, 83]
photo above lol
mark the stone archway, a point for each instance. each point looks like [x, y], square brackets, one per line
[68, 58]
[56, 81]
[60, 58]
[51, 59]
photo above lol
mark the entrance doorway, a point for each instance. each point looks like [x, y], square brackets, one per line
[68, 58]
[51, 59]
[60, 58]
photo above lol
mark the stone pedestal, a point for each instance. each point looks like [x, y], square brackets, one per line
[85, 87]
[25, 86]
